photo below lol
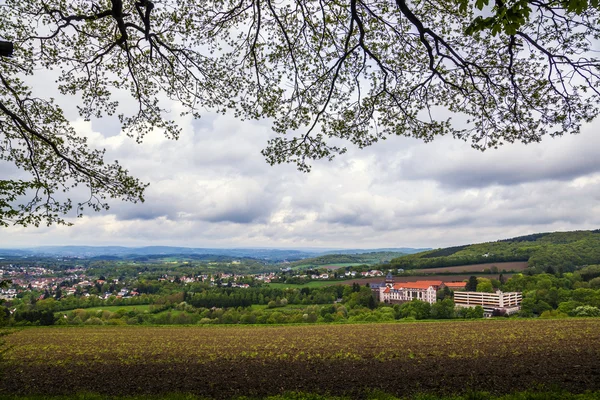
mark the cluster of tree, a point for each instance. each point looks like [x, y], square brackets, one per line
[37, 317]
[444, 309]
[292, 279]
[350, 310]
[526, 238]
[568, 255]
[184, 313]
[71, 302]
[448, 251]
[232, 297]
[481, 284]
[564, 293]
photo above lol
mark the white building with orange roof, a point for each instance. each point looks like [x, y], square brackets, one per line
[407, 291]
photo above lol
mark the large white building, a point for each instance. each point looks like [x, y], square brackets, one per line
[406, 291]
[508, 303]
[401, 292]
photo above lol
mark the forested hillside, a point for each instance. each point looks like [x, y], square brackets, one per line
[559, 251]
[365, 258]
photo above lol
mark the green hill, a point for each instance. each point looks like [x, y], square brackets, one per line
[371, 258]
[562, 251]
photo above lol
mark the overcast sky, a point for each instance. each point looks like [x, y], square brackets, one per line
[212, 188]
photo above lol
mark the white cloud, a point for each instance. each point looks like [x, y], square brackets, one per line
[212, 187]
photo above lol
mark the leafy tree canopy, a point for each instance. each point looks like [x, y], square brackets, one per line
[357, 70]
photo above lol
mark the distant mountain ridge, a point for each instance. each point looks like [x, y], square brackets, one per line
[122, 252]
[404, 250]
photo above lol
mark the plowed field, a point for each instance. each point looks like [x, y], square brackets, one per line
[507, 266]
[221, 362]
[413, 278]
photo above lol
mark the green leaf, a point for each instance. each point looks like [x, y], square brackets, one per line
[481, 3]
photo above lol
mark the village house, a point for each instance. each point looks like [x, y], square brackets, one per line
[188, 279]
[373, 272]
[8, 294]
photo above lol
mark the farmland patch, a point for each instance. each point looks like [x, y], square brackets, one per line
[500, 266]
[499, 356]
[412, 278]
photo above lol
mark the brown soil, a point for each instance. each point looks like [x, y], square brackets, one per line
[223, 380]
[401, 359]
[507, 266]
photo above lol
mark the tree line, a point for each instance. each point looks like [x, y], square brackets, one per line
[544, 295]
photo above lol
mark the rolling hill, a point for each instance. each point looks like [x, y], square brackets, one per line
[370, 258]
[560, 251]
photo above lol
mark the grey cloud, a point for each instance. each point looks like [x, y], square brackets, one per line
[222, 203]
[144, 211]
[444, 222]
[539, 219]
[290, 219]
[478, 175]
[243, 215]
[355, 218]
[454, 164]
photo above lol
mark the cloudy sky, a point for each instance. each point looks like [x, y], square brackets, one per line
[212, 188]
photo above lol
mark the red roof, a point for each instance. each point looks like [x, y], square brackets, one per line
[456, 284]
[417, 285]
[387, 290]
